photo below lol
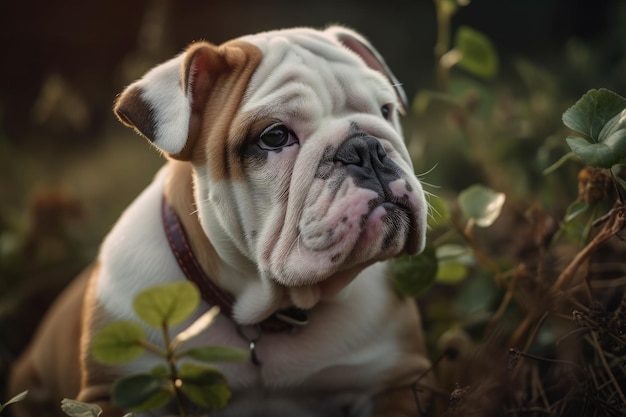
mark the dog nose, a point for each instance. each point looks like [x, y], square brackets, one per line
[367, 162]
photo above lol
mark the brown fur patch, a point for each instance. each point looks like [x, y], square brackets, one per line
[179, 194]
[221, 139]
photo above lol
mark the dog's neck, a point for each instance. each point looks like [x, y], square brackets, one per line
[283, 320]
[202, 265]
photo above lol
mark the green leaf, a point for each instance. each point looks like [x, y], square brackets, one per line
[160, 371]
[414, 275]
[158, 400]
[451, 272]
[204, 386]
[478, 55]
[481, 204]
[593, 111]
[168, 304]
[218, 354]
[117, 343]
[15, 399]
[140, 392]
[451, 251]
[611, 147]
[558, 164]
[615, 125]
[75, 408]
[453, 263]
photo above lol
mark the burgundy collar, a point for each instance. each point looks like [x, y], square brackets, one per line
[280, 321]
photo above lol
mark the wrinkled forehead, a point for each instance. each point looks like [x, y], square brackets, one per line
[300, 41]
[304, 64]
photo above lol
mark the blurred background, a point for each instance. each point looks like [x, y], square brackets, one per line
[67, 167]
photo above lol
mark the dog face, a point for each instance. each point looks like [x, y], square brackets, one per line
[300, 170]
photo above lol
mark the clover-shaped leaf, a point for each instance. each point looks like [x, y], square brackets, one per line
[481, 204]
[478, 55]
[454, 262]
[600, 117]
[205, 386]
[118, 342]
[140, 392]
[168, 304]
[593, 111]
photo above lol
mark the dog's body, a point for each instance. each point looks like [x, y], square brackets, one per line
[289, 175]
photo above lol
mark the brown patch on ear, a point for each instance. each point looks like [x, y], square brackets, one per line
[202, 60]
[179, 194]
[134, 112]
[205, 77]
[220, 138]
[202, 69]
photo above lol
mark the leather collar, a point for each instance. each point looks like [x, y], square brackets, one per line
[280, 321]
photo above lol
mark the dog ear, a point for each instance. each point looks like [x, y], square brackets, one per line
[167, 104]
[360, 46]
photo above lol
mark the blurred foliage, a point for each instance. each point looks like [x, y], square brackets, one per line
[527, 312]
[19, 397]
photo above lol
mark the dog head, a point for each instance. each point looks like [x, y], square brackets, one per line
[301, 175]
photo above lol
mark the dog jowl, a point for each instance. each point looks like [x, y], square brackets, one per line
[289, 186]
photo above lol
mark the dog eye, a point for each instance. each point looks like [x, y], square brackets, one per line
[275, 137]
[386, 111]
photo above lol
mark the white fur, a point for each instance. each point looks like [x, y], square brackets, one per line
[161, 89]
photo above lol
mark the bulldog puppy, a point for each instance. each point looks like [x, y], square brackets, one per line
[288, 186]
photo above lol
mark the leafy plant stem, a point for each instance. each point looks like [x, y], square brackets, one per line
[152, 348]
[469, 228]
[444, 14]
[467, 235]
[175, 381]
[448, 234]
